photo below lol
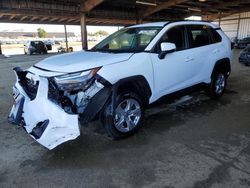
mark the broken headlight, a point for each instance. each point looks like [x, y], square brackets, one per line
[76, 81]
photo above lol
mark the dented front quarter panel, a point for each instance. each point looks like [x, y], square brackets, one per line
[61, 127]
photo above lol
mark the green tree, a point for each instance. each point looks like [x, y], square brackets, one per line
[91, 34]
[41, 33]
[101, 32]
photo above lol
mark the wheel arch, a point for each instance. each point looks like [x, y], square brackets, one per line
[137, 84]
[222, 64]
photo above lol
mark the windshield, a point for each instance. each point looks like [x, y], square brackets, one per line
[128, 40]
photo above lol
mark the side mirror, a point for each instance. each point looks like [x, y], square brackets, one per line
[166, 47]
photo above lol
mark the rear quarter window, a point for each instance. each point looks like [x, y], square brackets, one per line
[216, 36]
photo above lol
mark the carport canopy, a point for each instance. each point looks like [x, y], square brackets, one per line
[114, 12]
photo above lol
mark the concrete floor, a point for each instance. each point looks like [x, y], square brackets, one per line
[194, 142]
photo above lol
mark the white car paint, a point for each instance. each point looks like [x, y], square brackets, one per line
[60, 129]
[176, 71]
[154, 24]
[82, 60]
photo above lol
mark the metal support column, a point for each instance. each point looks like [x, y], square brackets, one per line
[238, 28]
[0, 48]
[66, 38]
[219, 18]
[84, 32]
[139, 21]
[204, 17]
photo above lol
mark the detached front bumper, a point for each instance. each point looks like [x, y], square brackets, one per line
[51, 116]
[45, 121]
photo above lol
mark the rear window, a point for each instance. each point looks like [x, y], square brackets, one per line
[37, 43]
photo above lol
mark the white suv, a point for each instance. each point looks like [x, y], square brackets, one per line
[118, 78]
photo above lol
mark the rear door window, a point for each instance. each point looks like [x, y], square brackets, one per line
[199, 35]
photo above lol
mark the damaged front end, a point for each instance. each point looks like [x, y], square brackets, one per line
[49, 107]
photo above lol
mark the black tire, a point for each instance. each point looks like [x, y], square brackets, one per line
[218, 80]
[109, 122]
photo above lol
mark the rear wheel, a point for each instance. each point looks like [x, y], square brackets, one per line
[127, 116]
[218, 85]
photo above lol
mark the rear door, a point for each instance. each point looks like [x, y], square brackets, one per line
[203, 50]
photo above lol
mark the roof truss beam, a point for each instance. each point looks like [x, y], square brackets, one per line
[225, 5]
[89, 5]
[162, 6]
[212, 17]
[12, 17]
[23, 18]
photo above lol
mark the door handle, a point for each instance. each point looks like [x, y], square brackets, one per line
[216, 51]
[189, 59]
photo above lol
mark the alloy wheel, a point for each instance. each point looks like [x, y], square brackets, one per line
[127, 115]
[220, 83]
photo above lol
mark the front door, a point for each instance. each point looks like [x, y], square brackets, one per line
[175, 71]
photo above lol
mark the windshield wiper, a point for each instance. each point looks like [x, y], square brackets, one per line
[101, 50]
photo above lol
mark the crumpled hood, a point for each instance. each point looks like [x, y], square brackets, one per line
[82, 60]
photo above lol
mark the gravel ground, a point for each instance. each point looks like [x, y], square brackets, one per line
[192, 142]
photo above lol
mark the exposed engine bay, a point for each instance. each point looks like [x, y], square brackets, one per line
[75, 101]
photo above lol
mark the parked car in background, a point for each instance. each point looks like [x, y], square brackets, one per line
[242, 43]
[35, 47]
[57, 42]
[245, 56]
[117, 79]
[49, 44]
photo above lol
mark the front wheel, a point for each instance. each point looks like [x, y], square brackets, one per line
[217, 86]
[128, 113]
